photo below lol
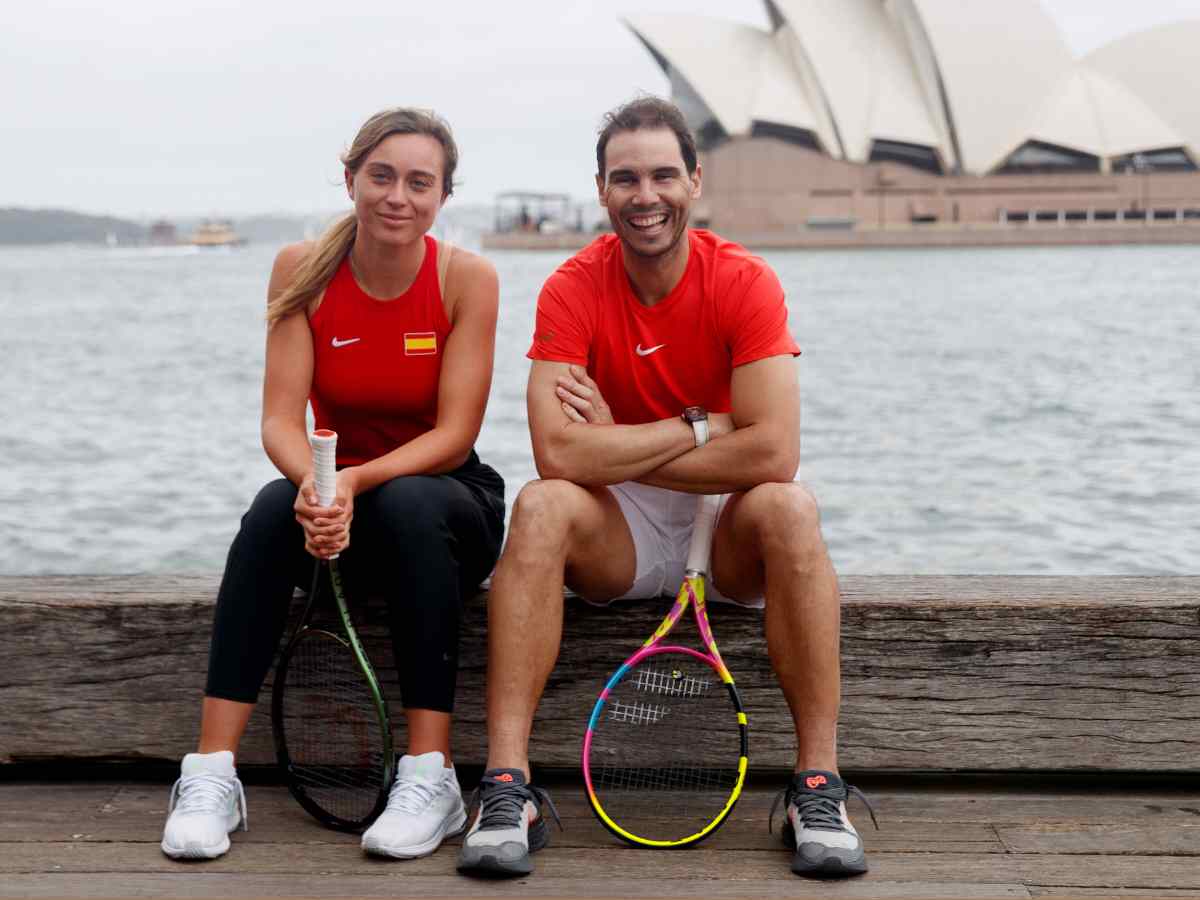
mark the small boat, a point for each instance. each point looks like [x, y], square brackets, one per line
[162, 234]
[216, 234]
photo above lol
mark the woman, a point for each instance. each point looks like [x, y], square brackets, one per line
[427, 515]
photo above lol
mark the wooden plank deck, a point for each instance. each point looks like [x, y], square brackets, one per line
[939, 838]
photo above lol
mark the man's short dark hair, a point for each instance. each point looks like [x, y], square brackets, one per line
[647, 112]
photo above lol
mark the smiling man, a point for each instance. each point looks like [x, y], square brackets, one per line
[638, 326]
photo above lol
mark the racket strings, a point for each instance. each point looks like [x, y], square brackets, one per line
[637, 713]
[334, 739]
[673, 683]
[674, 778]
[664, 752]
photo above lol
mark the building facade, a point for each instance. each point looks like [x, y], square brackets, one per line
[933, 116]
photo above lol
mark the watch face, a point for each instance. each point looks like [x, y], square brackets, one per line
[695, 414]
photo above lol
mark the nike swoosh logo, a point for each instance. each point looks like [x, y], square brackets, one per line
[338, 343]
[640, 352]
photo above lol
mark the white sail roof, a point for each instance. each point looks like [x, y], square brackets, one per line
[865, 72]
[780, 96]
[1159, 65]
[723, 62]
[996, 61]
[974, 81]
[1090, 112]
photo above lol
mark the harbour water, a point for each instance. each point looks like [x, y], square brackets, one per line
[965, 411]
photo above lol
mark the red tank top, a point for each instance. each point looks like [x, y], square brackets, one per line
[376, 363]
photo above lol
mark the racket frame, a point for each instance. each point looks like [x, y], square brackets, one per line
[349, 639]
[691, 594]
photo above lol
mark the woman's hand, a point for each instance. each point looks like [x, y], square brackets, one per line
[581, 399]
[326, 528]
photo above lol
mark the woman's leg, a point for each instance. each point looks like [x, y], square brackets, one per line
[222, 724]
[265, 562]
[207, 802]
[428, 729]
[430, 541]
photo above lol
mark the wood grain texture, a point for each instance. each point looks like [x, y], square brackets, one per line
[939, 672]
[588, 865]
[101, 840]
[195, 886]
[1122, 839]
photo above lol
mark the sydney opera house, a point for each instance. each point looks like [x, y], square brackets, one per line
[942, 117]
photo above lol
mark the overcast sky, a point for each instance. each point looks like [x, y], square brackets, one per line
[231, 107]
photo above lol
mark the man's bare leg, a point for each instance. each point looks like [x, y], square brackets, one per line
[558, 530]
[768, 543]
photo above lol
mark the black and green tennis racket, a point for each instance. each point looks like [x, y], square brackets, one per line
[333, 736]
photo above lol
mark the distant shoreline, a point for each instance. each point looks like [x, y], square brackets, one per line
[60, 226]
[31, 227]
[26, 226]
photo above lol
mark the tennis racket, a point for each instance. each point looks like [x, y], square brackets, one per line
[665, 753]
[333, 736]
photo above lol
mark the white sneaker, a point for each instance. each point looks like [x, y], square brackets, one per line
[425, 806]
[207, 802]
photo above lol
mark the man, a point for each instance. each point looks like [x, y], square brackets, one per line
[637, 326]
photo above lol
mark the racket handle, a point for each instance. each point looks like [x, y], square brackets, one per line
[700, 549]
[324, 450]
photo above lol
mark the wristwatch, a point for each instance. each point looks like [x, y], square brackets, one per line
[697, 417]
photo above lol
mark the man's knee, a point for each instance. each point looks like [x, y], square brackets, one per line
[786, 518]
[545, 513]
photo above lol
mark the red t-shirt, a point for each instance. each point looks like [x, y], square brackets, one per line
[651, 362]
[377, 363]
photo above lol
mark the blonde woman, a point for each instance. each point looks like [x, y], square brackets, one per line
[426, 516]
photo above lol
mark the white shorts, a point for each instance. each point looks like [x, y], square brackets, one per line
[660, 521]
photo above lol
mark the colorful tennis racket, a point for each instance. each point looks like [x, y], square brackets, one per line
[665, 753]
[333, 736]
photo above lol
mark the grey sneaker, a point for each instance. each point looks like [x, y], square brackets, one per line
[826, 844]
[508, 828]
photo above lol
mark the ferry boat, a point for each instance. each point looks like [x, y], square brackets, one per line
[216, 234]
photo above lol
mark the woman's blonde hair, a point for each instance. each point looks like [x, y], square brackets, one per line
[319, 267]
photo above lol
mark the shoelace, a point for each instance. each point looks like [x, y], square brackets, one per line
[820, 811]
[412, 796]
[207, 794]
[505, 804]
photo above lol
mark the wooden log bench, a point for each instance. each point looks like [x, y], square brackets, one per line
[940, 673]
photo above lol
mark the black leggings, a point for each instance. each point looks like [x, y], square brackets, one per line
[423, 541]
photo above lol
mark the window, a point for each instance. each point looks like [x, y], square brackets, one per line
[1035, 157]
[1167, 159]
[916, 155]
[801, 137]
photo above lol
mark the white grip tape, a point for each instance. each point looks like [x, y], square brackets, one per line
[700, 549]
[324, 448]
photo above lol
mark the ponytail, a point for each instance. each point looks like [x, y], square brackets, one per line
[317, 270]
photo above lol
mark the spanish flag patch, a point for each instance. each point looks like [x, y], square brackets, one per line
[420, 343]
